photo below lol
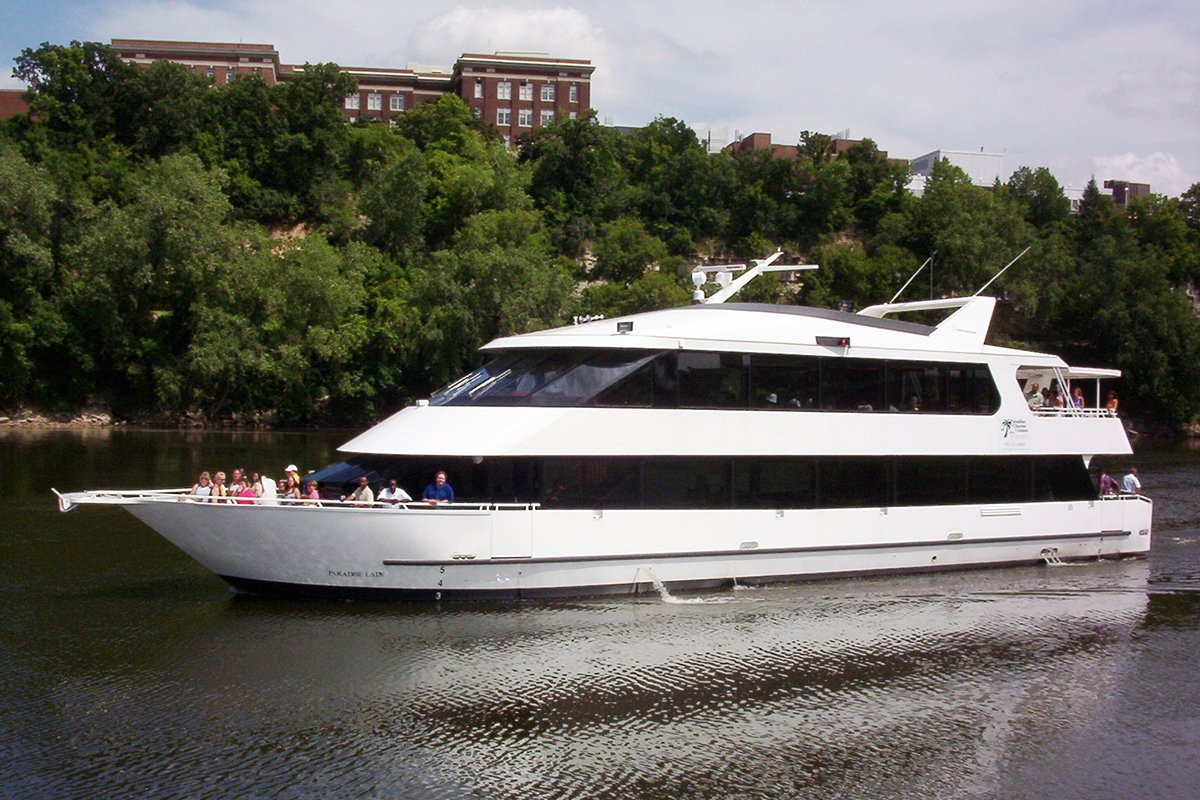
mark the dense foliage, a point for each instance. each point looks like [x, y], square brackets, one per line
[167, 246]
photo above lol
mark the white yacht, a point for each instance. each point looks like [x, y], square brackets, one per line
[697, 447]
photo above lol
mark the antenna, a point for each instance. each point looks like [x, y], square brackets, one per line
[730, 287]
[1001, 272]
[915, 274]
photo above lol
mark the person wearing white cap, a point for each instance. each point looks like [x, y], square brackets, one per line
[291, 483]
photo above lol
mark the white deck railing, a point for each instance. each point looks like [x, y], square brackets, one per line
[67, 501]
[1052, 411]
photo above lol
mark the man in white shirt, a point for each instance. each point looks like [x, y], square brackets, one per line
[1131, 484]
[393, 494]
[363, 495]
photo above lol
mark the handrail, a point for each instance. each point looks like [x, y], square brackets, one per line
[1071, 411]
[67, 501]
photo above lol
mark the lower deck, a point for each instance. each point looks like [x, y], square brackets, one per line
[488, 550]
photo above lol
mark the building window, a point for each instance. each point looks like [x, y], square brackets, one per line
[229, 74]
[478, 112]
[504, 90]
[212, 73]
[527, 91]
[375, 101]
[571, 115]
[507, 140]
[504, 117]
[352, 102]
[478, 88]
[525, 118]
[547, 118]
[547, 92]
[397, 102]
[574, 93]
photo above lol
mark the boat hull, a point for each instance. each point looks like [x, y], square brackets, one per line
[452, 553]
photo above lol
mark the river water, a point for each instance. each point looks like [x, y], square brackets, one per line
[127, 670]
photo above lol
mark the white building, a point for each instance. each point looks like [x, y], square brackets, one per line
[983, 168]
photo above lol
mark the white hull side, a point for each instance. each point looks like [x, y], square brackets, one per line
[449, 552]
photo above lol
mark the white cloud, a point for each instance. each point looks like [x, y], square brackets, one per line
[1161, 170]
[1050, 84]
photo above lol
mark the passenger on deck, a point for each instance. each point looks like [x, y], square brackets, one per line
[1112, 403]
[312, 495]
[1077, 397]
[363, 495]
[236, 483]
[914, 403]
[1131, 484]
[202, 491]
[291, 487]
[1034, 396]
[393, 494]
[1108, 485]
[438, 493]
[256, 484]
[245, 495]
[219, 489]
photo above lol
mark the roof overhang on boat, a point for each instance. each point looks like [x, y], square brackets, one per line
[760, 327]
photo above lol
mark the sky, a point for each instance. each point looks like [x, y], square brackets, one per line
[1089, 89]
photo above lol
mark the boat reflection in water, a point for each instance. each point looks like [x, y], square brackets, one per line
[938, 682]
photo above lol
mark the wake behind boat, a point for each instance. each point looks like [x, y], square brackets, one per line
[696, 447]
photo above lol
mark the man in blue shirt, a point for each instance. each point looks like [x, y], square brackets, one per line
[438, 493]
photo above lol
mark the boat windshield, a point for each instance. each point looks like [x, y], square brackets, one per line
[543, 378]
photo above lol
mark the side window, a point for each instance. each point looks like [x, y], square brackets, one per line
[784, 382]
[853, 483]
[590, 483]
[712, 380]
[940, 481]
[914, 387]
[685, 484]
[998, 480]
[971, 389]
[851, 384]
[774, 483]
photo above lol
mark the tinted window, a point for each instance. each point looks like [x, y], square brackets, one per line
[849, 384]
[685, 483]
[785, 382]
[711, 380]
[931, 481]
[774, 483]
[914, 387]
[998, 480]
[590, 483]
[853, 483]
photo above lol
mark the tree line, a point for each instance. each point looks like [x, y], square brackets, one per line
[170, 246]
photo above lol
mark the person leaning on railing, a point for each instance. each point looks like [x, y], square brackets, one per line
[363, 495]
[202, 490]
[393, 495]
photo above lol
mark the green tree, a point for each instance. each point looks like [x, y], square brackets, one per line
[1040, 196]
[137, 272]
[576, 179]
[625, 249]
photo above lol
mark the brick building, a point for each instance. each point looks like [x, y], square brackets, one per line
[516, 92]
[757, 142]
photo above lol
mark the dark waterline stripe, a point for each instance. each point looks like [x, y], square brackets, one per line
[388, 562]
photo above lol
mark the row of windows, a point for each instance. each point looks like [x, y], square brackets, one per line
[524, 117]
[801, 483]
[549, 91]
[688, 379]
[374, 101]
